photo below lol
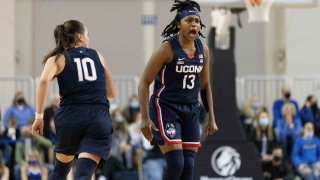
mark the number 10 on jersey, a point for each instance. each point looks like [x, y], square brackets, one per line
[82, 67]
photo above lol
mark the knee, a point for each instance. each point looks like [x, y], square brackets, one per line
[85, 168]
[175, 161]
[61, 170]
[189, 157]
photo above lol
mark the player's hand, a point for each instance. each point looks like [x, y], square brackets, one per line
[211, 127]
[146, 130]
[37, 127]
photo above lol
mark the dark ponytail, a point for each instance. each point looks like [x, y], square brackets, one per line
[178, 5]
[65, 36]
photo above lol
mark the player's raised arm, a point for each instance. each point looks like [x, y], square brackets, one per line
[160, 57]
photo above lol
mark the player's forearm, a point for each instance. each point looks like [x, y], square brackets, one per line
[210, 102]
[42, 91]
[143, 99]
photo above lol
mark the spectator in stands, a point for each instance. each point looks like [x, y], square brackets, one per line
[154, 164]
[136, 140]
[277, 168]
[249, 113]
[41, 143]
[12, 132]
[310, 112]
[135, 132]
[33, 169]
[4, 170]
[306, 154]
[277, 105]
[20, 110]
[288, 129]
[120, 153]
[264, 136]
[131, 109]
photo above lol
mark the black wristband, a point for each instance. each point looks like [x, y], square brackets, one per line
[204, 99]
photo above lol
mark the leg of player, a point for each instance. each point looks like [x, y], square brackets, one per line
[174, 157]
[189, 154]
[62, 166]
[86, 165]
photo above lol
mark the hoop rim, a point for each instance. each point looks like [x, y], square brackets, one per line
[275, 4]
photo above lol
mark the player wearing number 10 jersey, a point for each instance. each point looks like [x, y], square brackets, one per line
[82, 122]
[180, 70]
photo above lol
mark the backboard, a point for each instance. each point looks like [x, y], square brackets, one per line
[276, 3]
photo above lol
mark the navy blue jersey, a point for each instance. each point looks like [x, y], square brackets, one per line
[179, 80]
[83, 79]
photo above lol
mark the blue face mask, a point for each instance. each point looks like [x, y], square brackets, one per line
[33, 162]
[134, 104]
[264, 122]
[308, 134]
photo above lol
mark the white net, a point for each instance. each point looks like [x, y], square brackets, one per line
[258, 10]
[221, 19]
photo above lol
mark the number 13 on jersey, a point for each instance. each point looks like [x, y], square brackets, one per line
[190, 84]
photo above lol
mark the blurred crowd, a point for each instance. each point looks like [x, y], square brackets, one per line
[286, 137]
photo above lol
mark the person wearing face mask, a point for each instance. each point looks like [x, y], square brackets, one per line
[131, 109]
[310, 112]
[264, 136]
[278, 104]
[288, 129]
[277, 168]
[249, 113]
[120, 153]
[20, 110]
[33, 169]
[306, 154]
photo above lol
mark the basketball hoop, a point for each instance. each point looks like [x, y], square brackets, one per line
[258, 10]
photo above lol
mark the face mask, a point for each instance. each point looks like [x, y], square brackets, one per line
[264, 122]
[21, 101]
[308, 134]
[255, 105]
[287, 95]
[134, 104]
[118, 119]
[33, 162]
[277, 158]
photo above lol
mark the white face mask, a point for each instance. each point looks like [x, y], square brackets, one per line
[264, 122]
[308, 134]
[134, 104]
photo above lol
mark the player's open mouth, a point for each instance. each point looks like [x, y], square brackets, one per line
[192, 32]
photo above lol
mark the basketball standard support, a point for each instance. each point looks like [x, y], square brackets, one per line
[226, 153]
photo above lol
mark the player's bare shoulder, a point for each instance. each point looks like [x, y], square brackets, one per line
[166, 51]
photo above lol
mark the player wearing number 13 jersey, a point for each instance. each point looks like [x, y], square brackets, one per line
[82, 122]
[180, 70]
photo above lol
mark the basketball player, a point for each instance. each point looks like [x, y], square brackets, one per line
[180, 69]
[82, 122]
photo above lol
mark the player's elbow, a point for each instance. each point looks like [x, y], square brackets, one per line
[43, 82]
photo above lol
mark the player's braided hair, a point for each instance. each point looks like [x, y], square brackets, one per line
[65, 36]
[178, 5]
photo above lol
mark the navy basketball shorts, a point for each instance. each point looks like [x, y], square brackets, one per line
[86, 128]
[177, 123]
